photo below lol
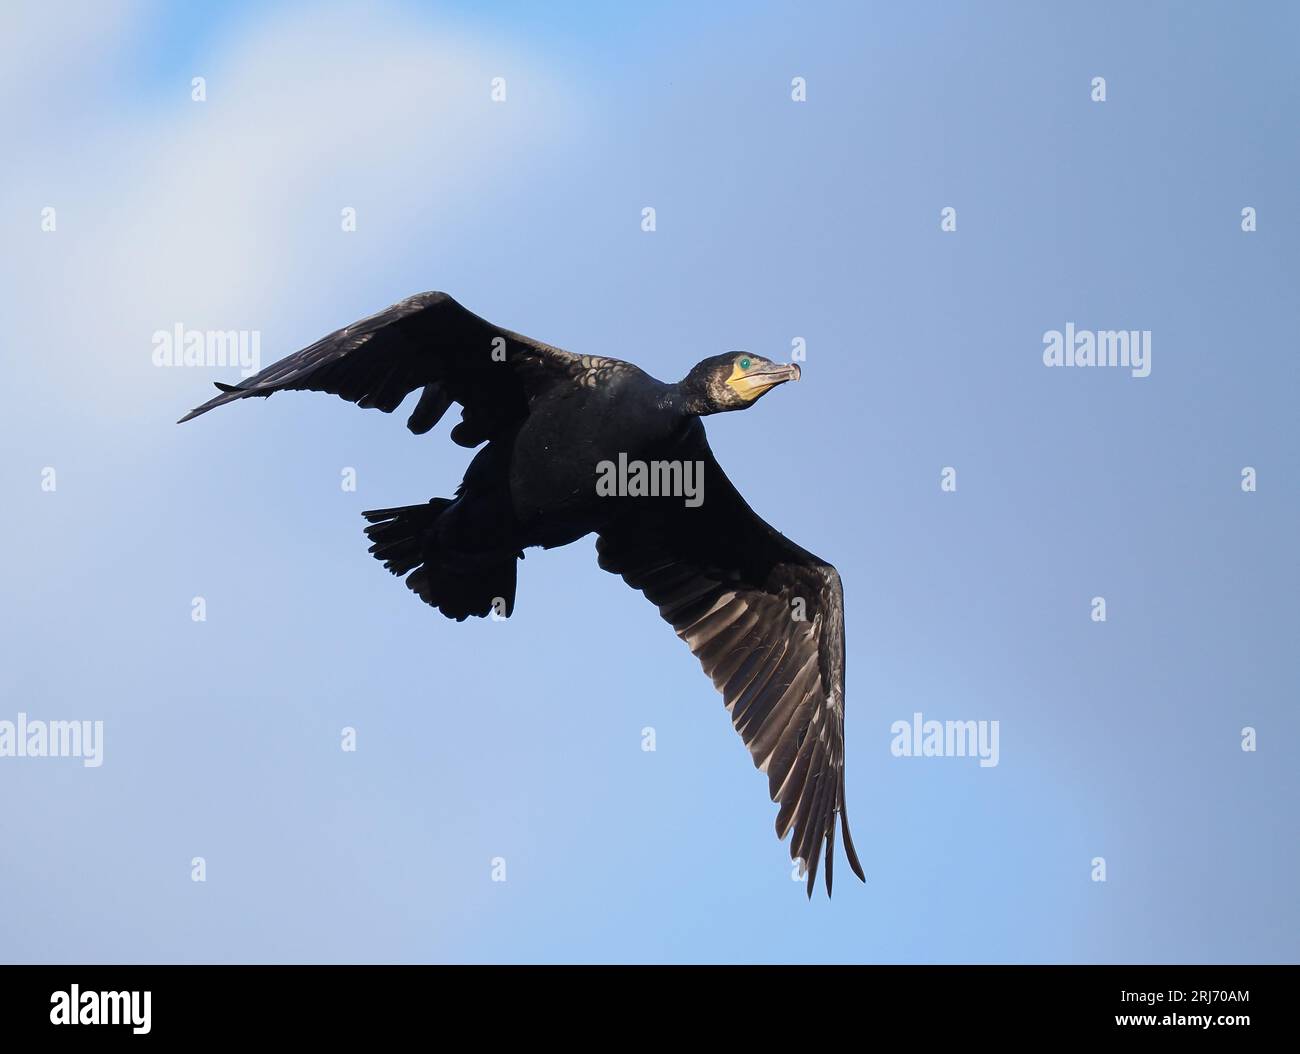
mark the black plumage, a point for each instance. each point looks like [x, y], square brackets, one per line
[764, 617]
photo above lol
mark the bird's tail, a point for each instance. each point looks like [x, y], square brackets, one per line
[458, 585]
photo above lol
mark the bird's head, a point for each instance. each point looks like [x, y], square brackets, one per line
[733, 381]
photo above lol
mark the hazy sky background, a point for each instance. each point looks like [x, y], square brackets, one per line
[776, 220]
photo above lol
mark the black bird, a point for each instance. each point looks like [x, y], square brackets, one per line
[764, 617]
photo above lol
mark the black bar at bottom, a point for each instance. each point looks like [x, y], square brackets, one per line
[373, 1002]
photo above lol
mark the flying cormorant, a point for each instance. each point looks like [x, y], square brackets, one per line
[764, 617]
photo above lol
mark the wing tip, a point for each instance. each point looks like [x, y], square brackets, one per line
[230, 393]
[827, 850]
[849, 851]
[199, 411]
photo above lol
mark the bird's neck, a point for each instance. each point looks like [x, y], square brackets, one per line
[686, 400]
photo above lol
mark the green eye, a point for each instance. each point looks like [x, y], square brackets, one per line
[745, 363]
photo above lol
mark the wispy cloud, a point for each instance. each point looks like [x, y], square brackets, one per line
[212, 213]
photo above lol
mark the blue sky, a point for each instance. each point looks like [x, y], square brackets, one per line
[775, 220]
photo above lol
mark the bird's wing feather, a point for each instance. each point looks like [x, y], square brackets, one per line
[426, 341]
[766, 620]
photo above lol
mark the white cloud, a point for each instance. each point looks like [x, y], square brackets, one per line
[215, 213]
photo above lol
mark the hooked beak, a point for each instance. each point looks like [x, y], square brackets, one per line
[754, 383]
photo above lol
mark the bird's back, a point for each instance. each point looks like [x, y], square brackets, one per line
[571, 432]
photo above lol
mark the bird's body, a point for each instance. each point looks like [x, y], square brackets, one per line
[764, 617]
[571, 429]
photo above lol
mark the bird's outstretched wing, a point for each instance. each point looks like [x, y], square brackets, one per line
[766, 620]
[426, 341]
